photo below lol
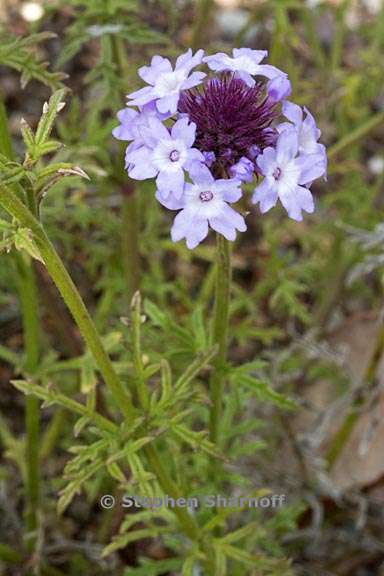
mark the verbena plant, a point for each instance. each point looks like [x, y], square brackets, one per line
[155, 405]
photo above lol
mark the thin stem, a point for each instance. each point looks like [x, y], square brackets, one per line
[130, 240]
[188, 523]
[30, 319]
[220, 331]
[70, 296]
[29, 312]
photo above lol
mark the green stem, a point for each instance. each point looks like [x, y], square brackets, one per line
[70, 296]
[187, 521]
[29, 312]
[344, 432]
[220, 332]
[130, 241]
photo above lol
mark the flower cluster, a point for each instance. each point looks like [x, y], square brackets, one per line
[202, 135]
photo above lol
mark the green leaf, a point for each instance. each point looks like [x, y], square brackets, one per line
[28, 136]
[50, 111]
[23, 240]
[264, 392]
[21, 54]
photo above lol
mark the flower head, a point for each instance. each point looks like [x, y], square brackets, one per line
[165, 84]
[285, 176]
[230, 118]
[203, 137]
[205, 203]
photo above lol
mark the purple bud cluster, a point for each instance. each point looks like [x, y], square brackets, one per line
[203, 135]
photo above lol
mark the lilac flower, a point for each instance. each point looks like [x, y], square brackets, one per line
[132, 121]
[220, 132]
[246, 63]
[164, 154]
[205, 203]
[285, 176]
[243, 170]
[231, 118]
[166, 83]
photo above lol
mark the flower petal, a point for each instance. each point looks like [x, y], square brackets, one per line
[159, 65]
[287, 146]
[312, 166]
[140, 165]
[266, 195]
[267, 161]
[184, 130]
[170, 182]
[189, 225]
[194, 79]
[230, 189]
[141, 97]
[171, 202]
[168, 104]
[200, 174]
[293, 112]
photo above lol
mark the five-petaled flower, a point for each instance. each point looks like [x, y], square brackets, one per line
[285, 176]
[205, 203]
[166, 83]
[204, 136]
[164, 154]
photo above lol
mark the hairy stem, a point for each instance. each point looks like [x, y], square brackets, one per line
[220, 331]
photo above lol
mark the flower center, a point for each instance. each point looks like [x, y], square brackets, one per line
[277, 173]
[174, 156]
[206, 196]
[230, 118]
